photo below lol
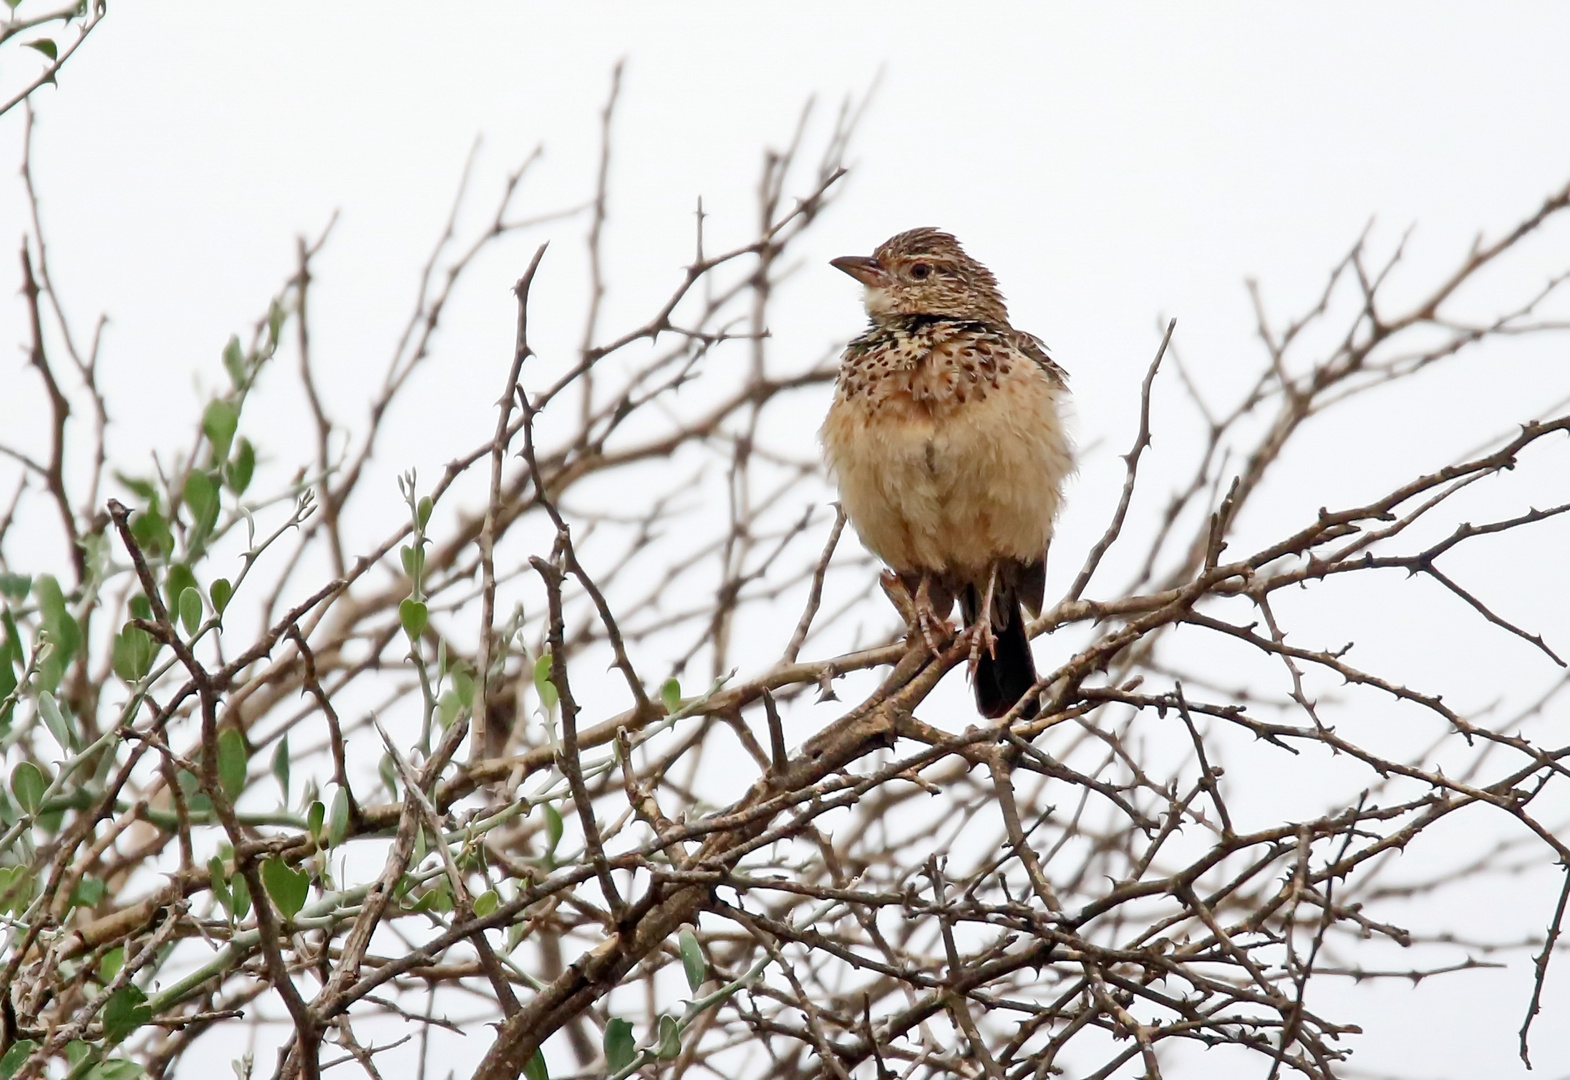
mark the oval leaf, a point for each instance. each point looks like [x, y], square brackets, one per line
[176, 582]
[20, 1051]
[116, 1069]
[553, 828]
[54, 720]
[218, 424]
[670, 695]
[542, 681]
[534, 1070]
[110, 965]
[28, 785]
[219, 883]
[692, 961]
[201, 495]
[232, 760]
[670, 1038]
[619, 1047]
[242, 896]
[413, 615]
[241, 467]
[286, 886]
[191, 610]
[125, 1011]
[281, 767]
[485, 903]
[234, 361]
[338, 819]
[15, 586]
[219, 592]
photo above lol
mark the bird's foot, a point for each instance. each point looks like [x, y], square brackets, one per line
[981, 634]
[935, 630]
[920, 614]
[981, 637]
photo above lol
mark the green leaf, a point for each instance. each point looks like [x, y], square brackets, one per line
[63, 630]
[232, 760]
[242, 896]
[281, 767]
[619, 1047]
[125, 1011]
[151, 533]
[542, 681]
[535, 1069]
[315, 817]
[176, 581]
[15, 586]
[142, 489]
[286, 886]
[413, 559]
[54, 720]
[447, 707]
[219, 883]
[463, 682]
[10, 661]
[234, 361]
[196, 799]
[16, 889]
[191, 610]
[669, 1044]
[338, 819]
[134, 650]
[422, 512]
[414, 616]
[45, 46]
[670, 694]
[116, 1069]
[110, 965]
[275, 317]
[20, 1051]
[76, 1052]
[218, 423]
[219, 592]
[553, 828]
[388, 770]
[141, 607]
[486, 903]
[88, 892]
[692, 961]
[201, 495]
[243, 465]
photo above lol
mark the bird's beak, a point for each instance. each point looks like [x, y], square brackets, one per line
[863, 268]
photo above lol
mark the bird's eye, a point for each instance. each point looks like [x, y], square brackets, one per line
[920, 270]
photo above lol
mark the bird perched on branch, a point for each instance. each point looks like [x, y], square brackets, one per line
[947, 441]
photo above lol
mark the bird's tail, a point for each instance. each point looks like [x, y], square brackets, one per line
[1003, 676]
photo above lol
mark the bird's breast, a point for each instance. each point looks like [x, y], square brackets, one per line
[941, 468]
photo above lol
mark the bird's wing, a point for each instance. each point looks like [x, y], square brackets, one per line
[1033, 347]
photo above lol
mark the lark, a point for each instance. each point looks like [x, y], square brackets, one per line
[946, 439]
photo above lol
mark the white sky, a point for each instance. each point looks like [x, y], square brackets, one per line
[1112, 164]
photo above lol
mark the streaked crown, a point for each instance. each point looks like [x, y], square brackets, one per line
[926, 272]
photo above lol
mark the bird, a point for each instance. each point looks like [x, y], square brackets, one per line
[947, 439]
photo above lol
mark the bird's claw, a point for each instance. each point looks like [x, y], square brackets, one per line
[917, 609]
[934, 630]
[981, 637]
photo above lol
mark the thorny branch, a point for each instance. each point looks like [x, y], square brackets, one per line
[837, 874]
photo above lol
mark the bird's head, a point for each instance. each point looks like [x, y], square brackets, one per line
[925, 272]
